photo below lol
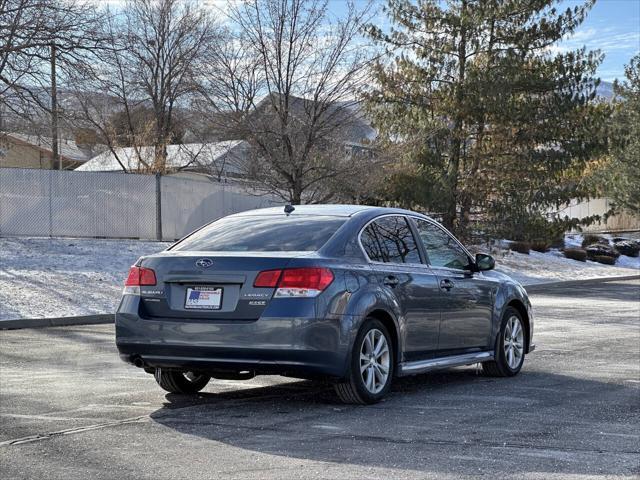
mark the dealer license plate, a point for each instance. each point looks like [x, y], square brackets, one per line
[204, 298]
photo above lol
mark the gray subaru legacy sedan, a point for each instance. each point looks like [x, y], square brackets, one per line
[354, 294]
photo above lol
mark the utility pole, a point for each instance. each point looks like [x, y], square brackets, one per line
[54, 111]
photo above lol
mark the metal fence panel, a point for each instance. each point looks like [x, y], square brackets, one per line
[620, 222]
[112, 205]
[76, 204]
[92, 204]
[25, 207]
[189, 203]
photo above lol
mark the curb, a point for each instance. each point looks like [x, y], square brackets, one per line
[540, 287]
[56, 322]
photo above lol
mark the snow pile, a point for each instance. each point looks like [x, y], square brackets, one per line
[59, 277]
[553, 266]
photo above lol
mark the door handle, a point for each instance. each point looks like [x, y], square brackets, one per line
[446, 284]
[391, 281]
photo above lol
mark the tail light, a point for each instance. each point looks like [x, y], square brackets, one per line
[138, 276]
[295, 282]
[267, 278]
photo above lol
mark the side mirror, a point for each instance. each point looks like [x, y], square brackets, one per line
[484, 262]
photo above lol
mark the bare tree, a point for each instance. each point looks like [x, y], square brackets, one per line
[291, 80]
[229, 83]
[29, 29]
[41, 40]
[158, 49]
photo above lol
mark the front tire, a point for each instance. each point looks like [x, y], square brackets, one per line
[510, 347]
[372, 365]
[180, 382]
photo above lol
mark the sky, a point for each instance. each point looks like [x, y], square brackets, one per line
[612, 26]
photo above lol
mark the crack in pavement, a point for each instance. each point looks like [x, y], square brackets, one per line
[45, 436]
[223, 405]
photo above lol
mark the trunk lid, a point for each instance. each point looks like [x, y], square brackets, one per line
[181, 273]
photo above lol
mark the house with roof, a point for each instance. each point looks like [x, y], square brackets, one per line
[340, 122]
[18, 150]
[228, 152]
[217, 159]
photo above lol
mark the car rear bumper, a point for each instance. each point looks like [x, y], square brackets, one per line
[272, 345]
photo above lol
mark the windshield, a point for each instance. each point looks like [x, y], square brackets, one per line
[263, 234]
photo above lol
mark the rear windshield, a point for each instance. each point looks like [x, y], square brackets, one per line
[263, 234]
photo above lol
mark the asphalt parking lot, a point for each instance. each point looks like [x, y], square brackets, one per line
[70, 409]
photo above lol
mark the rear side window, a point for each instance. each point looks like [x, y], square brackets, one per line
[370, 244]
[295, 233]
[389, 240]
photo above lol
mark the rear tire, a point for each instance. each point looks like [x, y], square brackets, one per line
[372, 366]
[180, 382]
[510, 347]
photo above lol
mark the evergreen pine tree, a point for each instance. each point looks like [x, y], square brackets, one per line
[624, 169]
[487, 118]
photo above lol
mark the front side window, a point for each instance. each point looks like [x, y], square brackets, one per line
[293, 233]
[390, 240]
[442, 250]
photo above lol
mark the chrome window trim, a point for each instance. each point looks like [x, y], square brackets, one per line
[364, 252]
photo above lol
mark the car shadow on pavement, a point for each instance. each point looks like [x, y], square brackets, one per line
[454, 420]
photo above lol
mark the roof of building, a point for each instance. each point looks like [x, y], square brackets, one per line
[349, 115]
[193, 156]
[68, 149]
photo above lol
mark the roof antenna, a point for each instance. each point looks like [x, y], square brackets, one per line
[288, 209]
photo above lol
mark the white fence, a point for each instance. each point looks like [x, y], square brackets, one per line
[113, 205]
[621, 222]
[188, 204]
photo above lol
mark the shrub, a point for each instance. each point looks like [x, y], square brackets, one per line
[520, 247]
[526, 225]
[590, 239]
[628, 248]
[606, 259]
[557, 243]
[540, 246]
[599, 250]
[578, 254]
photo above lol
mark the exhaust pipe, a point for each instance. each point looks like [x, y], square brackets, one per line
[138, 362]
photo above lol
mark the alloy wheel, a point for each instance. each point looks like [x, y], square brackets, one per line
[375, 360]
[513, 342]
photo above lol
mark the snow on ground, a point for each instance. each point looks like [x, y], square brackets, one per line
[553, 267]
[574, 240]
[58, 277]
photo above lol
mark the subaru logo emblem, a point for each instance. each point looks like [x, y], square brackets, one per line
[204, 262]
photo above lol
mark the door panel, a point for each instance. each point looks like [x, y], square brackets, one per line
[423, 320]
[466, 310]
[467, 297]
[419, 298]
[395, 257]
